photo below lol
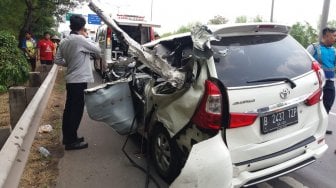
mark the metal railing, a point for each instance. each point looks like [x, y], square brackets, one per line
[14, 154]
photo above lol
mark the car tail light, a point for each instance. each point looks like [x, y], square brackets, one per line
[317, 68]
[316, 96]
[108, 37]
[266, 26]
[241, 119]
[209, 113]
[152, 34]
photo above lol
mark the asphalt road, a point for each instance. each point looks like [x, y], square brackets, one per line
[104, 164]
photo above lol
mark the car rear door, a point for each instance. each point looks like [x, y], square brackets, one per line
[269, 78]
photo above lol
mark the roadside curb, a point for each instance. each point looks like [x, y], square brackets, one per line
[4, 134]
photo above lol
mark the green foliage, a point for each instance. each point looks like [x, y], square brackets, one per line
[305, 34]
[12, 15]
[332, 24]
[14, 68]
[258, 18]
[166, 34]
[241, 19]
[218, 20]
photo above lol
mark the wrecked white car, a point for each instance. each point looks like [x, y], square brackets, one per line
[249, 90]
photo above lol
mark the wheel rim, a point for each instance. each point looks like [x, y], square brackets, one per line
[162, 152]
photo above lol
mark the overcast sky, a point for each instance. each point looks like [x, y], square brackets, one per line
[174, 13]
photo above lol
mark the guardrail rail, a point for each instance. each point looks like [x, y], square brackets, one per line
[14, 154]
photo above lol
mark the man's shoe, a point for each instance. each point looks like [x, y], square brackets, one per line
[76, 146]
[328, 132]
[80, 139]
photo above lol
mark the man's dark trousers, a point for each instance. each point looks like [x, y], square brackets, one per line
[73, 111]
[328, 95]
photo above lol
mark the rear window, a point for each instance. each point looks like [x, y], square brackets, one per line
[139, 34]
[247, 58]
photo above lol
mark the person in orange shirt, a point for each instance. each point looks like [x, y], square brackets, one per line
[45, 50]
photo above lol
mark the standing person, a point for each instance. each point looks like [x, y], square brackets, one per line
[29, 47]
[324, 53]
[74, 53]
[56, 42]
[45, 50]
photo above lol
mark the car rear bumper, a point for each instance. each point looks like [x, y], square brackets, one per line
[304, 158]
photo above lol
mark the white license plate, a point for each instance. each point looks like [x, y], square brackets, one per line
[278, 120]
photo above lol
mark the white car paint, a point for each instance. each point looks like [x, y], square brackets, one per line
[208, 165]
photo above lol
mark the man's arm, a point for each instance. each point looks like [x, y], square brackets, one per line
[91, 47]
[59, 60]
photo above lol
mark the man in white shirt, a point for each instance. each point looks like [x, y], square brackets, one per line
[74, 53]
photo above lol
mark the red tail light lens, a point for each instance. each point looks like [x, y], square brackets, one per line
[152, 34]
[242, 119]
[317, 68]
[314, 98]
[209, 113]
[108, 37]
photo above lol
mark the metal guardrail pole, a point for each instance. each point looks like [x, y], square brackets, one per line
[14, 154]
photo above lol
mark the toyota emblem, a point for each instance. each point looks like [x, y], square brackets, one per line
[284, 93]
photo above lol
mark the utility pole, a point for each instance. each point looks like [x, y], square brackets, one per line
[151, 10]
[324, 17]
[272, 8]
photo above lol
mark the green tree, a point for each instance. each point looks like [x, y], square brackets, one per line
[187, 28]
[13, 65]
[11, 15]
[332, 24]
[218, 20]
[42, 15]
[258, 18]
[305, 34]
[241, 19]
[166, 34]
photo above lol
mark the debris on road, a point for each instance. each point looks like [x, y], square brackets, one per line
[45, 129]
[44, 152]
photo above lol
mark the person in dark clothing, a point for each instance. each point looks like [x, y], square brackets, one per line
[324, 53]
[74, 53]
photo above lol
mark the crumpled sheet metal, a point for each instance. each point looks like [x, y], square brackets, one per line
[155, 63]
[201, 37]
[208, 165]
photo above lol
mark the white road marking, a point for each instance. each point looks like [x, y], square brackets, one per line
[332, 113]
[264, 185]
[292, 182]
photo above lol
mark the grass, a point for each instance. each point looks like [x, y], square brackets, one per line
[41, 171]
[4, 110]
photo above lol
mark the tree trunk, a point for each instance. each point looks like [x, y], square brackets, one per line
[27, 22]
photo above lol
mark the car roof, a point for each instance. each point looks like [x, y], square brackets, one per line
[236, 29]
[136, 23]
[249, 28]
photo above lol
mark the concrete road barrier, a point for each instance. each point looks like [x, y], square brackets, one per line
[4, 134]
[14, 154]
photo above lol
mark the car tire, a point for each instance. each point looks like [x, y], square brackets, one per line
[165, 154]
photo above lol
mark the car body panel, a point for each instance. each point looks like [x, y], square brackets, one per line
[172, 102]
[112, 104]
[176, 109]
[200, 171]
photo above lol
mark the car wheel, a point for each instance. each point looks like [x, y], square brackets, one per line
[165, 154]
